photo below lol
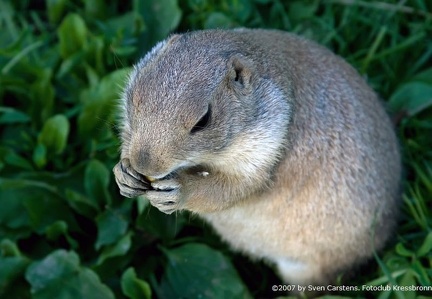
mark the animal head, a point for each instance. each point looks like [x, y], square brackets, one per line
[184, 102]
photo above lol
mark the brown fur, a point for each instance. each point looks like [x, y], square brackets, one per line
[297, 165]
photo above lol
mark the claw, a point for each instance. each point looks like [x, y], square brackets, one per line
[126, 168]
[130, 182]
[164, 200]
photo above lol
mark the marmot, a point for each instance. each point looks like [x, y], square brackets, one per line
[275, 141]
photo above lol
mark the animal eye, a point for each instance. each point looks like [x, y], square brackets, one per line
[203, 122]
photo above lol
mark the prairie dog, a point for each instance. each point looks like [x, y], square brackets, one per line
[278, 143]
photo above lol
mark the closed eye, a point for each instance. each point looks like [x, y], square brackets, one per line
[202, 123]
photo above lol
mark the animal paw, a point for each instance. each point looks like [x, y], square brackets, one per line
[165, 195]
[130, 182]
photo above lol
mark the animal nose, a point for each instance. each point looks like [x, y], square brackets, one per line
[150, 166]
[140, 161]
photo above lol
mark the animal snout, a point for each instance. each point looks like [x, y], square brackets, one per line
[151, 166]
[140, 160]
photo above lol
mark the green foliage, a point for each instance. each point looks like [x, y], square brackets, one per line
[413, 96]
[66, 279]
[133, 287]
[54, 133]
[65, 232]
[205, 271]
[162, 15]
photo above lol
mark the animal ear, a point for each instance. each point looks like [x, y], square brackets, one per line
[240, 71]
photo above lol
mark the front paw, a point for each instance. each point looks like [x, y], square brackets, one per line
[130, 182]
[165, 195]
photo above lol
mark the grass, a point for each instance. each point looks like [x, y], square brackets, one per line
[62, 65]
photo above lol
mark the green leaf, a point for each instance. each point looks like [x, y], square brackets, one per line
[111, 227]
[196, 270]
[9, 249]
[82, 204]
[163, 226]
[58, 229]
[31, 204]
[12, 158]
[92, 76]
[401, 250]
[39, 155]
[142, 203]
[160, 16]
[72, 35]
[18, 57]
[414, 96]
[99, 104]
[129, 24]
[96, 181]
[239, 9]
[119, 249]
[198, 5]
[426, 247]
[95, 8]
[422, 273]
[44, 209]
[133, 287]
[60, 275]
[299, 10]
[69, 64]
[54, 134]
[408, 280]
[12, 116]
[219, 20]
[11, 269]
[11, 184]
[12, 212]
[55, 10]
[42, 95]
